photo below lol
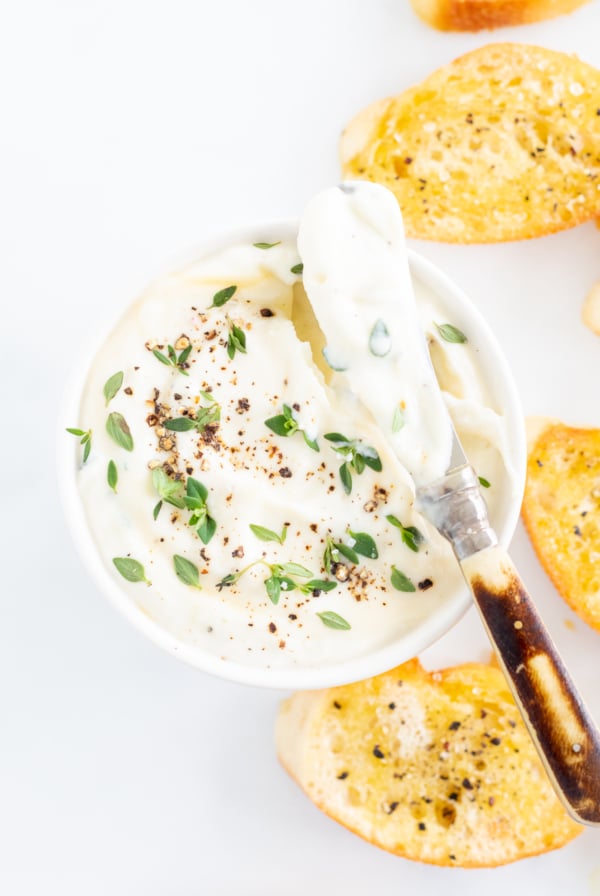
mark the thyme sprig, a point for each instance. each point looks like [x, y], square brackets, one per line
[168, 490]
[285, 424]
[282, 578]
[172, 359]
[411, 536]
[195, 500]
[362, 544]
[236, 339]
[204, 415]
[358, 457]
[85, 439]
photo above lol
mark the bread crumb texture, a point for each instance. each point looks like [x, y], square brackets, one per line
[561, 511]
[501, 144]
[436, 767]
[476, 15]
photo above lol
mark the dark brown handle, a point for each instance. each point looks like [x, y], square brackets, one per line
[560, 725]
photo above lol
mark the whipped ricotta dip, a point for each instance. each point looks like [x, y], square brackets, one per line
[259, 420]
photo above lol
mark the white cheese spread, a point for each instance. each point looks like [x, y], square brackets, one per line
[346, 564]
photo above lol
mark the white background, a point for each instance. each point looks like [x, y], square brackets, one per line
[129, 130]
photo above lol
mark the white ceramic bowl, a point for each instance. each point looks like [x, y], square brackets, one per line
[500, 384]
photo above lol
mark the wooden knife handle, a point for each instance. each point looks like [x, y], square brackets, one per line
[560, 725]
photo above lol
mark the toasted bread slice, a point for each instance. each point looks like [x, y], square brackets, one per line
[436, 767]
[475, 15]
[561, 511]
[501, 144]
[590, 312]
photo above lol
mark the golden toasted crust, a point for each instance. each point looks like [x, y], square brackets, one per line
[475, 15]
[435, 767]
[561, 511]
[501, 144]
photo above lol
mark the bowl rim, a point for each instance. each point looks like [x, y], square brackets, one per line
[293, 677]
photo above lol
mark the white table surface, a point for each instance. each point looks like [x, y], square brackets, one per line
[129, 130]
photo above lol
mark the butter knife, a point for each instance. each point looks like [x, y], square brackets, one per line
[558, 722]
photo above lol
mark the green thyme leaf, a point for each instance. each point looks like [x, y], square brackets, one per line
[450, 333]
[267, 534]
[130, 569]
[77, 432]
[184, 356]
[398, 420]
[157, 509]
[380, 342]
[400, 581]
[328, 554]
[203, 417]
[295, 569]
[369, 455]
[118, 429]
[278, 425]
[364, 544]
[180, 424]
[112, 475]
[266, 245]
[412, 538]
[336, 437]
[186, 571]
[287, 584]
[236, 340]
[207, 529]
[346, 551]
[87, 447]
[312, 443]
[195, 489]
[346, 477]
[160, 357]
[221, 297]
[358, 463]
[318, 585]
[112, 386]
[297, 268]
[273, 586]
[333, 620]
[484, 482]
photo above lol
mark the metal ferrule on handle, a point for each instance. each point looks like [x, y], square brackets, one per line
[456, 508]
